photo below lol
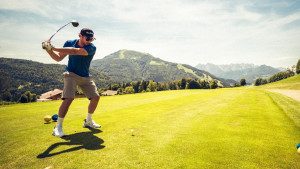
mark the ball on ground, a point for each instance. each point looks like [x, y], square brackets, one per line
[54, 117]
[298, 151]
[47, 118]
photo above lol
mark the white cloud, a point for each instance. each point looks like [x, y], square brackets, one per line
[189, 32]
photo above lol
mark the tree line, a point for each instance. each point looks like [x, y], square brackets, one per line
[151, 86]
[280, 75]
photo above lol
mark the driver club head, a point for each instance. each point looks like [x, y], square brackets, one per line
[74, 23]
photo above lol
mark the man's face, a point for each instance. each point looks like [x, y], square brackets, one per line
[86, 40]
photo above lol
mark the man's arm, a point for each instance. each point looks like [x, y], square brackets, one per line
[71, 51]
[56, 56]
[62, 52]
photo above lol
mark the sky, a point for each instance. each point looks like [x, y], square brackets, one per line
[181, 31]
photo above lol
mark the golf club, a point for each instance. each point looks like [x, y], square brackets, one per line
[74, 23]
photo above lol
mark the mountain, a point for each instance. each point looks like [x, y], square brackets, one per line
[238, 71]
[18, 76]
[128, 65]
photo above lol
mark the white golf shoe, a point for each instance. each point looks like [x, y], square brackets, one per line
[90, 124]
[57, 132]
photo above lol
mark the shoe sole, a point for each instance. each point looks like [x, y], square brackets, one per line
[86, 126]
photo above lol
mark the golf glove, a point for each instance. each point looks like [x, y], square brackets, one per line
[47, 45]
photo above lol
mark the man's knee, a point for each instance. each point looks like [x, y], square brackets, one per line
[68, 100]
[95, 99]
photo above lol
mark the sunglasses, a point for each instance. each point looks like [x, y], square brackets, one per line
[90, 39]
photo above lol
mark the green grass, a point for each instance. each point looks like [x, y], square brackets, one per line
[292, 83]
[223, 128]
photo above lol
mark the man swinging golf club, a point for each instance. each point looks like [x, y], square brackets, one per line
[81, 52]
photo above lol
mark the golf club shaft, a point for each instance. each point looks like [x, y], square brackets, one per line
[59, 30]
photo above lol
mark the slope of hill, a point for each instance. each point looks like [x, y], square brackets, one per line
[128, 65]
[291, 83]
[18, 76]
[238, 71]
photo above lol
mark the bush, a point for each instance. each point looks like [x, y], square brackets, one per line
[236, 85]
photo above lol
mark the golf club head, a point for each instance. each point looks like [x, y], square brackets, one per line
[74, 23]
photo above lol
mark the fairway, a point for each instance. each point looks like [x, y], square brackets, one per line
[223, 128]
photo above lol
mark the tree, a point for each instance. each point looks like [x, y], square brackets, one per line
[173, 86]
[159, 87]
[120, 91]
[115, 87]
[280, 75]
[129, 90]
[213, 84]
[204, 84]
[101, 90]
[257, 82]
[183, 83]
[79, 90]
[23, 99]
[165, 86]
[152, 86]
[143, 86]
[34, 97]
[29, 95]
[264, 81]
[298, 67]
[260, 81]
[135, 86]
[243, 82]
[7, 96]
[193, 85]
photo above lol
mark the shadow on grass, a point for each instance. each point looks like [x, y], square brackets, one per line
[85, 140]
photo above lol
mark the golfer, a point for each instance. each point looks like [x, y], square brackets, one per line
[81, 52]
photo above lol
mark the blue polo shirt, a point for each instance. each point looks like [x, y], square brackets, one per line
[80, 64]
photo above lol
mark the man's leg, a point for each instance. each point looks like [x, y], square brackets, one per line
[64, 107]
[63, 110]
[93, 104]
[89, 122]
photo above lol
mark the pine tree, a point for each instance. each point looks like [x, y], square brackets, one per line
[183, 83]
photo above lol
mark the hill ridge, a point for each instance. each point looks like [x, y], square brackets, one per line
[129, 65]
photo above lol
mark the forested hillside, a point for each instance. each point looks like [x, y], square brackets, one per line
[18, 76]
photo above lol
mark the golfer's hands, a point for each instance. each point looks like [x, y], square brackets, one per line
[47, 45]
